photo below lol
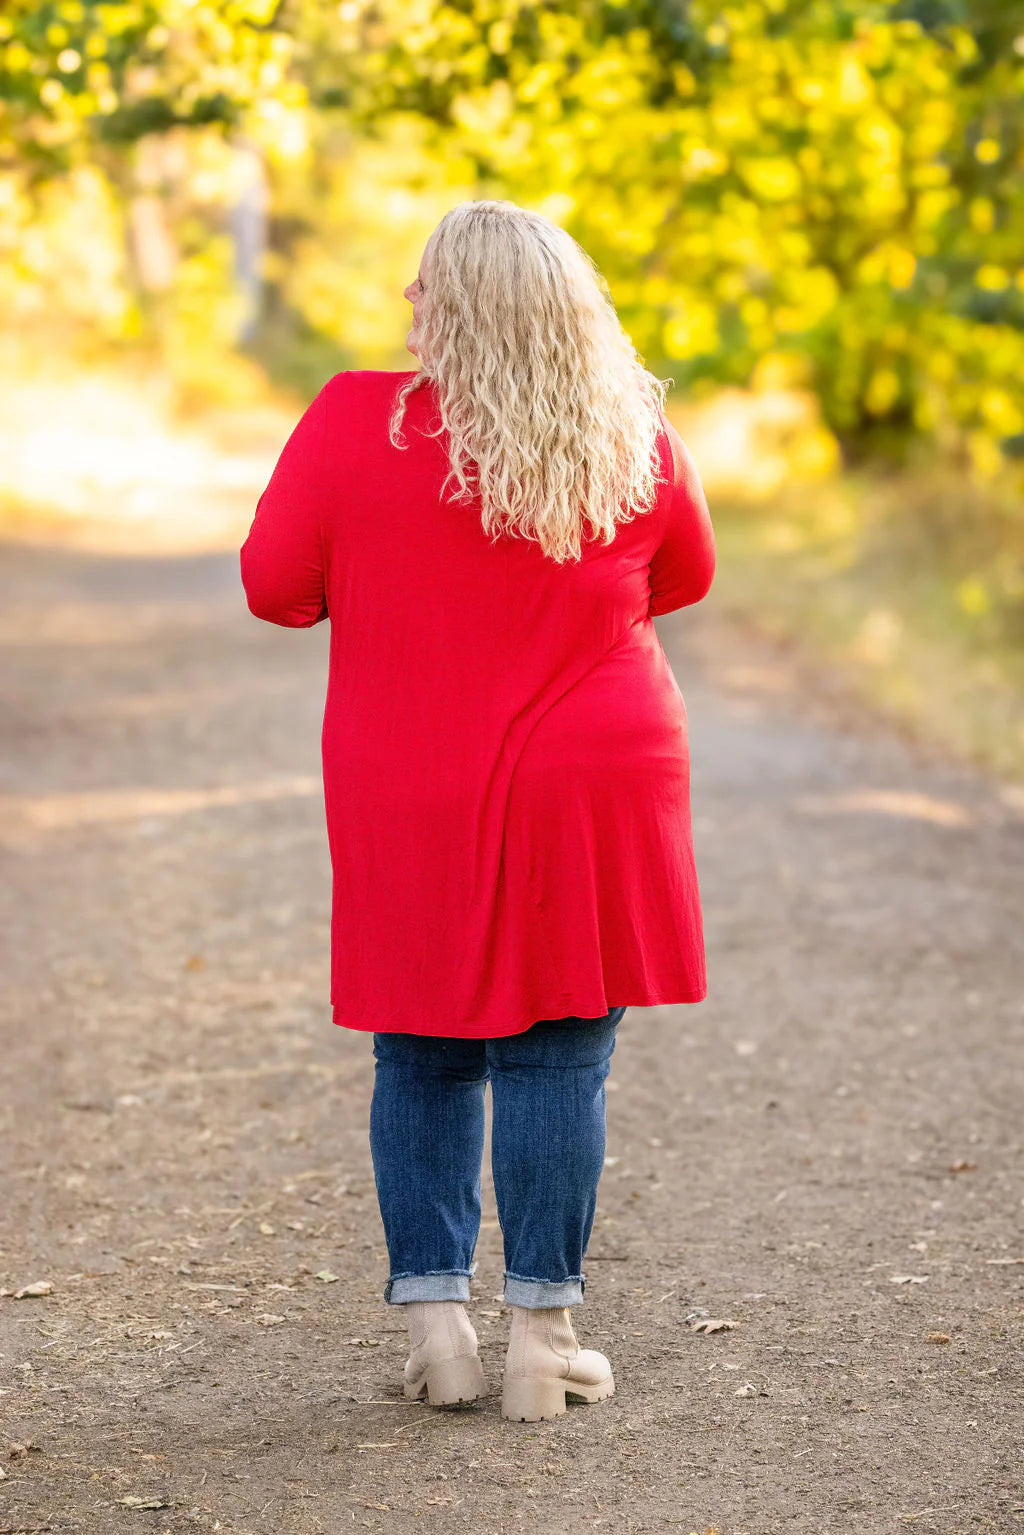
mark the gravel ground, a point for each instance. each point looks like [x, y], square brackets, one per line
[826, 1154]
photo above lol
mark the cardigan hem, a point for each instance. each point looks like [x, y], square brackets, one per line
[502, 1031]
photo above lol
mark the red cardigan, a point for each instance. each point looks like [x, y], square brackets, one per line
[505, 760]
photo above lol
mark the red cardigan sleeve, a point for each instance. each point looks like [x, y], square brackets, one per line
[683, 565]
[282, 559]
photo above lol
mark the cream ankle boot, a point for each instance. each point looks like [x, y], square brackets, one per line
[545, 1364]
[443, 1357]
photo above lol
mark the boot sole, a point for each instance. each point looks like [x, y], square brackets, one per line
[450, 1382]
[531, 1400]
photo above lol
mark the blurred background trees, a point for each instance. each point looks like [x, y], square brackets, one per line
[827, 194]
[813, 199]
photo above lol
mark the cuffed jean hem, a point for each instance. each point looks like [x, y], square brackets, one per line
[444, 1284]
[540, 1293]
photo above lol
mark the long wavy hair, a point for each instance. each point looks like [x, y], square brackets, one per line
[552, 419]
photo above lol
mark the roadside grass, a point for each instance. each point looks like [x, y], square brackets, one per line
[909, 585]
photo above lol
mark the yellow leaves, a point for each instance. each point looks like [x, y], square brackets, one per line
[992, 278]
[773, 178]
[984, 453]
[972, 598]
[733, 119]
[882, 392]
[931, 174]
[692, 332]
[902, 266]
[889, 262]
[484, 112]
[815, 455]
[17, 58]
[880, 135]
[538, 80]
[701, 160]
[809, 91]
[779, 370]
[964, 44]
[730, 286]
[260, 12]
[854, 84]
[810, 161]
[1004, 414]
[753, 311]
[684, 80]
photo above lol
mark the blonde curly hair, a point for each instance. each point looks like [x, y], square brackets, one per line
[552, 419]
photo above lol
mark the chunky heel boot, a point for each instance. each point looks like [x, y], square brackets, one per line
[443, 1358]
[545, 1364]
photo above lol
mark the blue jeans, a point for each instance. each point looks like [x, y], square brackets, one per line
[547, 1152]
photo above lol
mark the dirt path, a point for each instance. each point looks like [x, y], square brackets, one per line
[827, 1152]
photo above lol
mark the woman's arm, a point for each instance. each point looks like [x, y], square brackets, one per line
[282, 559]
[684, 563]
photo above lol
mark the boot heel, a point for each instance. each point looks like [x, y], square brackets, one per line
[455, 1380]
[527, 1401]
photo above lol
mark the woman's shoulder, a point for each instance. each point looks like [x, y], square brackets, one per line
[365, 383]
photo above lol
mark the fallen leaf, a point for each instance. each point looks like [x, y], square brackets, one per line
[713, 1324]
[326, 1277]
[268, 1319]
[195, 962]
[28, 1291]
[937, 1337]
[963, 1167]
[132, 1502]
[909, 1278]
[266, 1229]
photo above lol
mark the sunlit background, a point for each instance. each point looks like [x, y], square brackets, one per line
[810, 214]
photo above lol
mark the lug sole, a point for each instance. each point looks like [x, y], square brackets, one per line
[530, 1400]
[450, 1381]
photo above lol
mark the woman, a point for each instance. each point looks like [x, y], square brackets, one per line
[505, 762]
